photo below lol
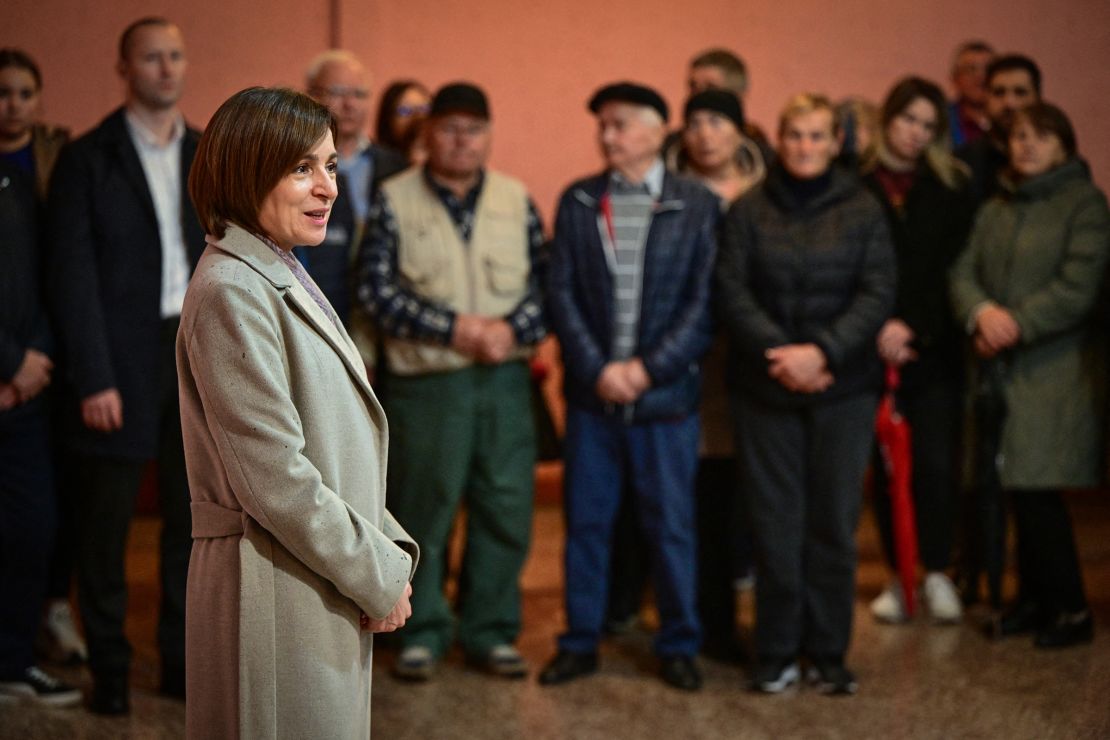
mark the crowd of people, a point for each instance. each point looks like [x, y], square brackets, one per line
[729, 312]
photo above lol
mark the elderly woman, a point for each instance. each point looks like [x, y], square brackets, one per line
[804, 280]
[295, 560]
[925, 195]
[1027, 289]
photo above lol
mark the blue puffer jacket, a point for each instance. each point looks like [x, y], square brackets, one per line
[675, 326]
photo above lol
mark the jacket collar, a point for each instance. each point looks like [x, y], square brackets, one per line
[1047, 183]
[842, 184]
[245, 246]
[590, 192]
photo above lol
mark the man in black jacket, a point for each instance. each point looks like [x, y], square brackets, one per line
[26, 499]
[124, 240]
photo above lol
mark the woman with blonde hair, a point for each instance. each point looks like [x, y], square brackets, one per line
[804, 280]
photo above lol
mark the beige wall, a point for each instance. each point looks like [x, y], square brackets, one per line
[540, 61]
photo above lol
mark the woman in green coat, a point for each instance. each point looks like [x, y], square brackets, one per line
[1026, 289]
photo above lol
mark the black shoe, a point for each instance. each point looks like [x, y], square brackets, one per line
[830, 677]
[37, 687]
[1069, 628]
[775, 675]
[567, 667]
[110, 695]
[681, 672]
[1022, 617]
[173, 683]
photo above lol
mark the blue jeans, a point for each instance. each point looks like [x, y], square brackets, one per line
[660, 460]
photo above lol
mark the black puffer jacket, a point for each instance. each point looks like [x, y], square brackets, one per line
[790, 272]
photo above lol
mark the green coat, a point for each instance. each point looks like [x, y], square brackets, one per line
[1040, 250]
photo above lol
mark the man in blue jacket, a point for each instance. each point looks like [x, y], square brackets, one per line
[628, 297]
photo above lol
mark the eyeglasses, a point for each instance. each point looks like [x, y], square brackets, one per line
[339, 91]
[408, 111]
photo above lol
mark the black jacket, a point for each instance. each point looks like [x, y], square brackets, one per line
[820, 272]
[105, 286]
[23, 323]
[987, 162]
[928, 233]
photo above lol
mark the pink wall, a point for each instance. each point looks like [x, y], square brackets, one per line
[539, 62]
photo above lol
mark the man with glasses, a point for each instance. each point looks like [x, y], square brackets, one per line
[448, 273]
[337, 79]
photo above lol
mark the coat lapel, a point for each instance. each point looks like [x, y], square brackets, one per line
[249, 248]
[130, 164]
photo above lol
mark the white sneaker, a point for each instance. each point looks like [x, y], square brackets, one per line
[941, 598]
[890, 606]
[66, 643]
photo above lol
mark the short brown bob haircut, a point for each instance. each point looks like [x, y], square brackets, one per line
[1046, 118]
[255, 138]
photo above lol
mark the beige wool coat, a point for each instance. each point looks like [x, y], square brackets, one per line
[286, 447]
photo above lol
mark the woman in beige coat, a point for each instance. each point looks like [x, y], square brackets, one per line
[295, 560]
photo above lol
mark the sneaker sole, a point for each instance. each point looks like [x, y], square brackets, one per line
[28, 696]
[786, 679]
[828, 688]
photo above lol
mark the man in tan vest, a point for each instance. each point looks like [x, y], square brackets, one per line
[448, 273]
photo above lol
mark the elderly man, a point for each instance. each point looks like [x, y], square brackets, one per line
[448, 273]
[628, 298]
[967, 114]
[337, 79]
[123, 239]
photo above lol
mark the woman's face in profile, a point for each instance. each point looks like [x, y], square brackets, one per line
[296, 211]
[711, 140]
[1034, 152]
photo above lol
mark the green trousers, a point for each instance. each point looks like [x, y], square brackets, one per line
[464, 437]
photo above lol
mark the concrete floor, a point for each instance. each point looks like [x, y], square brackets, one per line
[917, 680]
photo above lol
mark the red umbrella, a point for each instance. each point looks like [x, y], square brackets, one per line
[893, 433]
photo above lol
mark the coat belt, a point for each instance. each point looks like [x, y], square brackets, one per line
[211, 520]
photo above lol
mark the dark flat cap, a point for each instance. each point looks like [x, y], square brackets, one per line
[628, 92]
[719, 101]
[460, 97]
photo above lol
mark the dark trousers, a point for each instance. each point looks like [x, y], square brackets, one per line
[660, 460]
[1048, 566]
[109, 488]
[724, 548]
[801, 477]
[933, 413]
[26, 533]
[63, 559]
